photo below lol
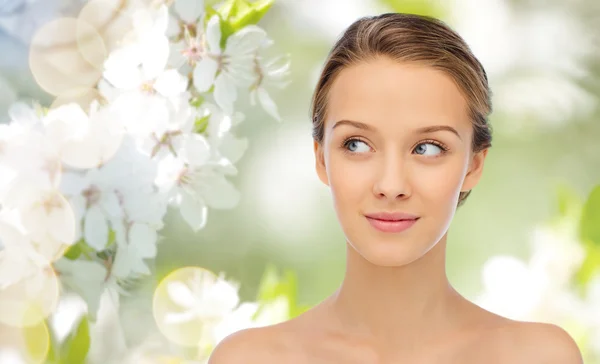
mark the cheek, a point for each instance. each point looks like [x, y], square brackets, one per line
[439, 183]
[348, 180]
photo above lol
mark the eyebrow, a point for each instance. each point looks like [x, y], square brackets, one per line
[422, 130]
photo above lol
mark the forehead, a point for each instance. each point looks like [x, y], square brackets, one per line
[387, 93]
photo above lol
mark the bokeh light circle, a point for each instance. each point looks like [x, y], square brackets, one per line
[110, 18]
[66, 54]
[31, 344]
[194, 331]
[29, 301]
[53, 219]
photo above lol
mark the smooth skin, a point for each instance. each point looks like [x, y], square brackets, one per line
[395, 304]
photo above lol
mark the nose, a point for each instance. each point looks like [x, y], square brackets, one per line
[392, 179]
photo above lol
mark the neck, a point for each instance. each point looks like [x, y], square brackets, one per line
[396, 305]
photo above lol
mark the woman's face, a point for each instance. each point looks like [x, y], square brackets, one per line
[397, 140]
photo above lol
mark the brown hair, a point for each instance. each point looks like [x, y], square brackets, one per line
[410, 38]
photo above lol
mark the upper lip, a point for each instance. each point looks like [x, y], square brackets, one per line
[392, 216]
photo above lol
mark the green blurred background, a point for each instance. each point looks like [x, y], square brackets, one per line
[286, 215]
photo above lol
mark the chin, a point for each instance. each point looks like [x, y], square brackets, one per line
[389, 254]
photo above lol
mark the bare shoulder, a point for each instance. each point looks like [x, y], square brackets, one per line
[533, 342]
[246, 346]
[266, 345]
[278, 343]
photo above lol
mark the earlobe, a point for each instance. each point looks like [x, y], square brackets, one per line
[475, 170]
[320, 163]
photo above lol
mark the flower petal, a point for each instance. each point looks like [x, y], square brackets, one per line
[110, 204]
[179, 317]
[245, 41]
[213, 34]
[189, 10]
[172, 27]
[233, 148]
[120, 69]
[143, 238]
[181, 294]
[170, 83]
[176, 58]
[156, 56]
[95, 229]
[220, 193]
[193, 211]
[196, 149]
[267, 103]
[225, 92]
[204, 74]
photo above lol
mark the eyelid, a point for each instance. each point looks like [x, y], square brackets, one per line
[353, 138]
[443, 146]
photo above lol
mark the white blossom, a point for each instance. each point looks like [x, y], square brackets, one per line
[85, 140]
[203, 297]
[222, 141]
[228, 68]
[539, 289]
[101, 176]
[18, 257]
[272, 73]
[196, 186]
[186, 28]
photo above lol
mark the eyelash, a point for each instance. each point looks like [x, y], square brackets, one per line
[345, 143]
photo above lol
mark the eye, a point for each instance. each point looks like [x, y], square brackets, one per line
[356, 146]
[429, 148]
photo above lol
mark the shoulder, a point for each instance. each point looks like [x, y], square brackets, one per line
[249, 345]
[533, 342]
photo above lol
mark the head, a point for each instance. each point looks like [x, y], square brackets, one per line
[400, 126]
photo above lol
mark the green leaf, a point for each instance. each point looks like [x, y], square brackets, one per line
[269, 284]
[201, 124]
[253, 15]
[80, 247]
[226, 29]
[273, 286]
[589, 267]
[74, 251]
[232, 8]
[568, 201]
[75, 348]
[112, 238]
[197, 101]
[590, 219]
[236, 14]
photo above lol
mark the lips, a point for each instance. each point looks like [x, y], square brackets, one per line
[392, 222]
[392, 216]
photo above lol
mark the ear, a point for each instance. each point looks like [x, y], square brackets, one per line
[475, 170]
[320, 163]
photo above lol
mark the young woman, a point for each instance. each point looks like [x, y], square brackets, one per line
[400, 137]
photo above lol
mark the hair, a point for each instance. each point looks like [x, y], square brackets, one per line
[409, 38]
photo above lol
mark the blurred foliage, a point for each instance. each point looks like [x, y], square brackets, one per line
[273, 285]
[433, 8]
[590, 237]
[42, 345]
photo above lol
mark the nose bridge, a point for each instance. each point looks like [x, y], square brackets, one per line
[392, 179]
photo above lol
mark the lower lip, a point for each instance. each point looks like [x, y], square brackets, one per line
[391, 226]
